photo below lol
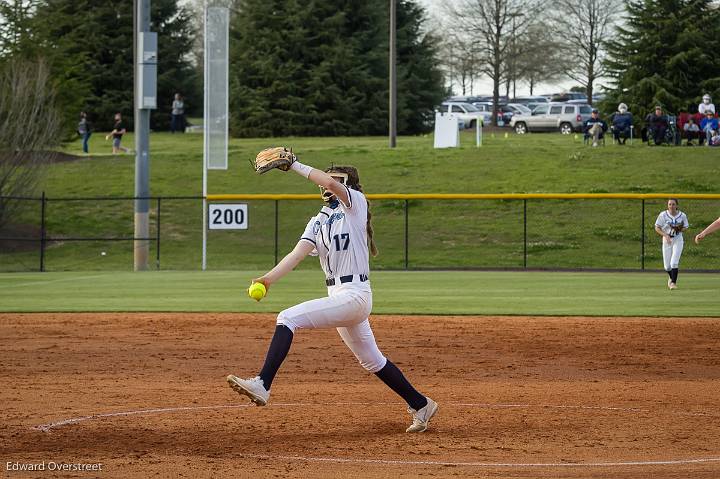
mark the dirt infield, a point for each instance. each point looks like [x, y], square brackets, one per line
[145, 396]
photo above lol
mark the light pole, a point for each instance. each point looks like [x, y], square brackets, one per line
[393, 78]
[145, 99]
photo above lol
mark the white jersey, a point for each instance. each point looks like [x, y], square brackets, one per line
[666, 222]
[340, 237]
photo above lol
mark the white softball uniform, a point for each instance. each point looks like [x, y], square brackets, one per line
[671, 252]
[339, 236]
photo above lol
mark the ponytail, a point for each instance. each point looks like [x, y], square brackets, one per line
[371, 242]
[369, 227]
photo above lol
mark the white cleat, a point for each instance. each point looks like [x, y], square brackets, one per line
[421, 418]
[670, 283]
[673, 286]
[253, 388]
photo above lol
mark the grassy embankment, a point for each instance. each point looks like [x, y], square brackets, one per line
[442, 234]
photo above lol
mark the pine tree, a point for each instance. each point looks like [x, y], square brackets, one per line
[667, 53]
[311, 67]
[420, 81]
[89, 44]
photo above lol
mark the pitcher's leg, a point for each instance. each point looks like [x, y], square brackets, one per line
[330, 312]
[361, 341]
[277, 352]
[316, 313]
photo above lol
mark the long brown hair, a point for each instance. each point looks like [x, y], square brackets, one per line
[353, 182]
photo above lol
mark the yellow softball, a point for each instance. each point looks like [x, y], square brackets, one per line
[257, 291]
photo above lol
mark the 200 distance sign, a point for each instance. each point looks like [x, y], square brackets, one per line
[228, 217]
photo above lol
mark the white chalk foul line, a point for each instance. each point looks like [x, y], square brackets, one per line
[482, 464]
[139, 412]
[52, 425]
[56, 424]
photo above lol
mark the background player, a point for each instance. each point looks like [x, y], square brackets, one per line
[670, 224]
[340, 234]
[712, 227]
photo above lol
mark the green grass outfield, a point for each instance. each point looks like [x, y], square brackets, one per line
[442, 234]
[446, 292]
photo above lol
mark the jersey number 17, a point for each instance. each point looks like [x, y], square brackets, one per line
[339, 238]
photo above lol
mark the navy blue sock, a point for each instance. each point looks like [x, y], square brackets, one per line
[278, 350]
[669, 274]
[674, 275]
[393, 377]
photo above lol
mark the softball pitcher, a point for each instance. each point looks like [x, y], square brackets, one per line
[670, 224]
[340, 235]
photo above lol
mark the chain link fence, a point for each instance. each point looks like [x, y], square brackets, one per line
[76, 234]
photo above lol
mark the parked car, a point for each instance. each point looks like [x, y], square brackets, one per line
[505, 112]
[531, 101]
[563, 117]
[470, 99]
[567, 96]
[486, 109]
[467, 113]
[519, 109]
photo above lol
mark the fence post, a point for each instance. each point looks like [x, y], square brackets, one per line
[42, 232]
[157, 237]
[406, 234]
[525, 233]
[276, 230]
[642, 236]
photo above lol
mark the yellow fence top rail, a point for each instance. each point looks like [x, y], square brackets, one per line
[481, 196]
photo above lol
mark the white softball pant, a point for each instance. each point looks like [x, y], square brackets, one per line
[671, 252]
[346, 308]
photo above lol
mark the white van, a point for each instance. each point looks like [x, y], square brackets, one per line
[467, 113]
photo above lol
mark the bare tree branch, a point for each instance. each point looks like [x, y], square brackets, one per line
[494, 25]
[584, 27]
[29, 127]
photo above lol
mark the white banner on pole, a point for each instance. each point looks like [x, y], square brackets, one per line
[216, 84]
[217, 21]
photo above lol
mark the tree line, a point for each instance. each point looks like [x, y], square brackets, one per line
[297, 67]
[320, 67]
[88, 47]
[640, 52]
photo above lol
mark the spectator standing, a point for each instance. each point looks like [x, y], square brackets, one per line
[84, 131]
[692, 130]
[177, 119]
[621, 123]
[709, 127]
[594, 127]
[706, 105]
[657, 125]
[117, 134]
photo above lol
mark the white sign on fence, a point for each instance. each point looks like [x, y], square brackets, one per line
[232, 216]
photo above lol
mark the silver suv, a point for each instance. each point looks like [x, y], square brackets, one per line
[564, 117]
